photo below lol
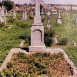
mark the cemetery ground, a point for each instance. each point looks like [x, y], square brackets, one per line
[12, 37]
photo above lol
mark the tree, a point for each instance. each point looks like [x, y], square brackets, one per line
[9, 5]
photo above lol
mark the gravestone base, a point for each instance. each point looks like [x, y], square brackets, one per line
[59, 21]
[37, 48]
[37, 38]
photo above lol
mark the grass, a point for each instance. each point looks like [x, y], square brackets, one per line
[11, 38]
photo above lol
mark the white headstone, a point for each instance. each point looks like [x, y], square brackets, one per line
[59, 18]
[24, 13]
[2, 15]
[6, 13]
[14, 13]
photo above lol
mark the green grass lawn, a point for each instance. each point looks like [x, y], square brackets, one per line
[11, 38]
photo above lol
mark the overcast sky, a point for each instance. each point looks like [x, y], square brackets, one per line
[74, 2]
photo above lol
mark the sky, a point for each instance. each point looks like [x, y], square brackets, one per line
[73, 2]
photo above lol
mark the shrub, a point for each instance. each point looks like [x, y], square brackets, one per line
[1, 74]
[11, 20]
[40, 65]
[48, 41]
[63, 41]
[9, 65]
[48, 37]
[7, 73]
[2, 25]
[30, 70]
[43, 71]
[49, 33]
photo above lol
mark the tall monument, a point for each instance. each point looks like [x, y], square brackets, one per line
[37, 31]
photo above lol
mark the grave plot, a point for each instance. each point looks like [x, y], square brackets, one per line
[38, 64]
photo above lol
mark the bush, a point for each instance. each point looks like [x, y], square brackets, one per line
[7, 73]
[48, 37]
[9, 65]
[43, 71]
[48, 41]
[1, 74]
[2, 25]
[11, 20]
[63, 41]
[49, 33]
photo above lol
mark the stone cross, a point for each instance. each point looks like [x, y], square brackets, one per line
[14, 13]
[37, 31]
[59, 18]
[37, 18]
[2, 15]
[24, 13]
[3, 11]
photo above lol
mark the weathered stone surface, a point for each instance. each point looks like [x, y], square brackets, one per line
[37, 38]
[37, 31]
[22, 44]
[55, 41]
[14, 13]
[24, 13]
[72, 44]
[59, 19]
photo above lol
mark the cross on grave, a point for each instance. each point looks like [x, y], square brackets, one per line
[59, 18]
[37, 31]
[48, 14]
[14, 13]
[24, 12]
[2, 15]
[37, 18]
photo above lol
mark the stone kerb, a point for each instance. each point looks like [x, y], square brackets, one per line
[51, 51]
[9, 56]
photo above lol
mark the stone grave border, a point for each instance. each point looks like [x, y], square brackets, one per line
[49, 50]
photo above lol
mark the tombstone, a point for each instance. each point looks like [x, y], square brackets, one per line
[42, 12]
[59, 18]
[22, 44]
[55, 41]
[6, 13]
[14, 13]
[24, 13]
[37, 31]
[2, 15]
[72, 44]
[31, 14]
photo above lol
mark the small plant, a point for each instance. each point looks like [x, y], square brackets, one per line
[1, 25]
[0, 74]
[9, 65]
[48, 41]
[63, 41]
[48, 37]
[43, 71]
